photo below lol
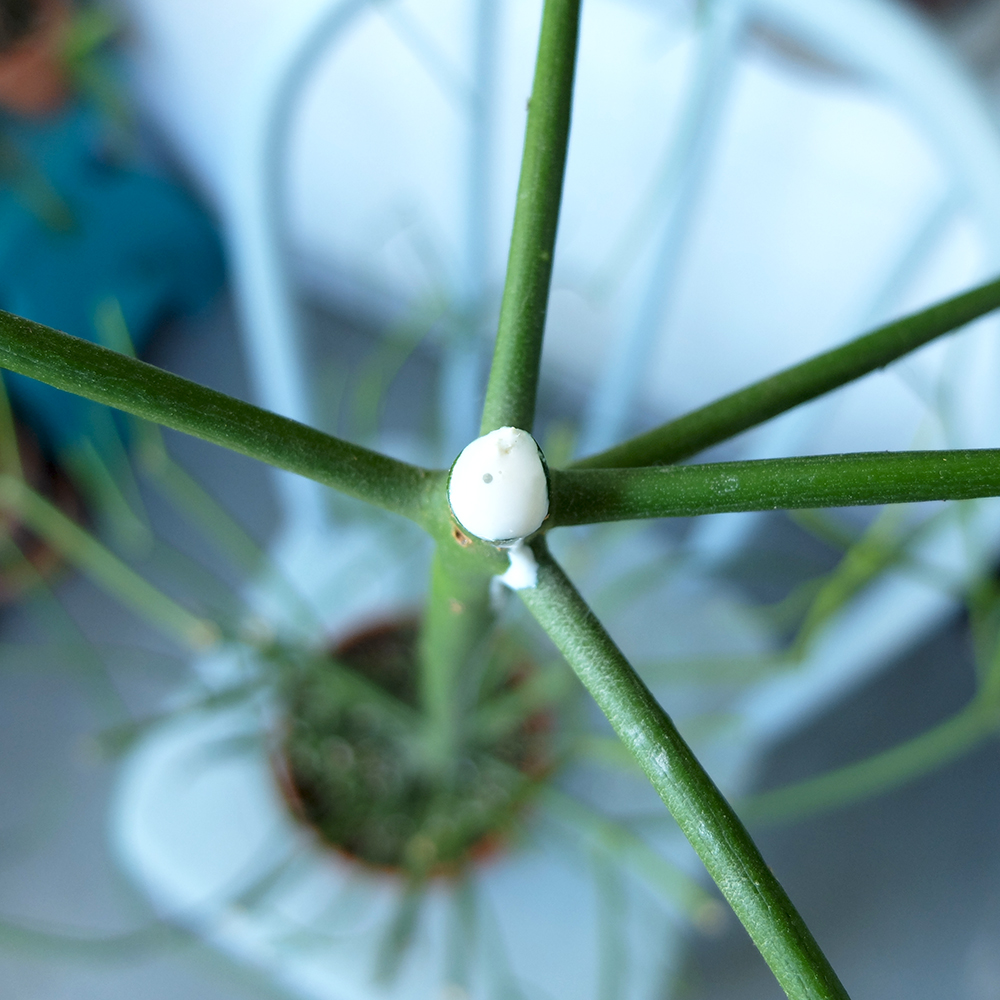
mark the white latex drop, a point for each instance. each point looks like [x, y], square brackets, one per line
[497, 488]
[523, 569]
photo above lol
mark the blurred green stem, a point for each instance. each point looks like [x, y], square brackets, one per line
[458, 616]
[10, 454]
[930, 750]
[81, 549]
[678, 888]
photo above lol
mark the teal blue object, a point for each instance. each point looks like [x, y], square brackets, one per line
[129, 236]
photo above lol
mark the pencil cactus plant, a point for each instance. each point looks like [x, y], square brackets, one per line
[476, 543]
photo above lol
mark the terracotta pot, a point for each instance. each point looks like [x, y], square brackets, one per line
[384, 653]
[33, 79]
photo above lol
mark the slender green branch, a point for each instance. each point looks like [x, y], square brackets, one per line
[510, 395]
[106, 569]
[509, 709]
[217, 525]
[727, 417]
[108, 377]
[699, 808]
[590, 496]
[10, 455]
[886, 543]
[631, 851]
[909, 760]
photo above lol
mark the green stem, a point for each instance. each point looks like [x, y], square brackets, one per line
[739, 411]
[107, 570]
[631, 851]
[590, 496]
[930, 750]
[508, 710]
[108, 377]
[10, 454]
[118, 519]
[217, 525]
[699, 808]
[513, 384]
[456, 623]
[885, 544]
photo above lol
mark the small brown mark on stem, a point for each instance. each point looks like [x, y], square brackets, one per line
[461, 537]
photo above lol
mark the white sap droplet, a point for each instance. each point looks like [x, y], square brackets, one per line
[523, 569]
[497, 488]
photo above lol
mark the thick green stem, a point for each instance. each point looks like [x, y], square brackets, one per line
[456, 624]
[589, 496]
[729, 416]
[108, 377]
[510, 395]
[700, 809]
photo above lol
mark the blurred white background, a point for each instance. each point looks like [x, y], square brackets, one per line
[816, 199]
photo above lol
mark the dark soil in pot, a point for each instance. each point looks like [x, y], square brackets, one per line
[353, 772]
